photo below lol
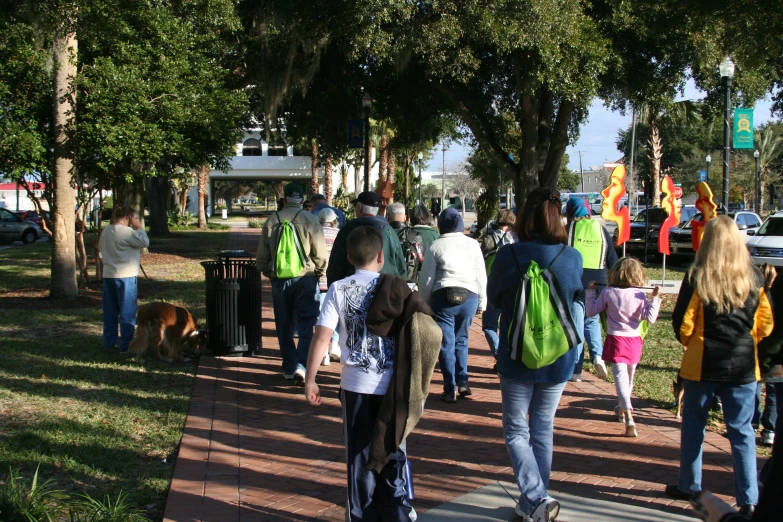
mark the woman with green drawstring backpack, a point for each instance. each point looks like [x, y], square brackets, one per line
[533, 376]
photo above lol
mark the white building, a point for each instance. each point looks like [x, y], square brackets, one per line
[8, 196]
[257, 160]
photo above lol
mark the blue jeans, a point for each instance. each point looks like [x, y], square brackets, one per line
[295, 299]
[489, 323]
[578, 310]
[767, 417]
[595, 342]
[454, 321]
[321, 299]
[529, 441]
[738, 404]
[119, 310]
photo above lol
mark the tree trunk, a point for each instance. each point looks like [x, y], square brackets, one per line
[314, 168]
[63, 282]
[183, 201]
[80, 248]
[654, 154]
[383, 158]
[202, 180]
[157, 199]
[328, 172]
[344, 179]
[391, 165]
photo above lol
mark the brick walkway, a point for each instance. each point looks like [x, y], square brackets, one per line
[254, 450]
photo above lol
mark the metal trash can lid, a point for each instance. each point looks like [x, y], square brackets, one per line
[226, 254]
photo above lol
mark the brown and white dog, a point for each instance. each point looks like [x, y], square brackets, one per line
[166, 327]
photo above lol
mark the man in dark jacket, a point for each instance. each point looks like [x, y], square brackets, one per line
[413, 245]
[366, 205]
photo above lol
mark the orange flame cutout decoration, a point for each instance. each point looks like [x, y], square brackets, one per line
[706, 205]
[669, 204]
[612, 195]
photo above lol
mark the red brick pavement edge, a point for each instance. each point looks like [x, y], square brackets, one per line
[254, 450]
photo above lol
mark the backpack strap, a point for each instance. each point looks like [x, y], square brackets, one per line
[516, 260]
[298, 240]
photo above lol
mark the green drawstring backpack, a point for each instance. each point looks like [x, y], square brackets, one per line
[289, 259]
[542, 328]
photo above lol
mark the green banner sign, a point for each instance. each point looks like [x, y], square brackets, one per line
[743, 128]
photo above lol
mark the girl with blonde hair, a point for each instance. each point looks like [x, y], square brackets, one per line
[721, 314]
[626, 306]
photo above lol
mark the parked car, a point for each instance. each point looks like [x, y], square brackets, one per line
[14, 228]
[32, 215]
[680, 238]
[635, 245]
[766, 244]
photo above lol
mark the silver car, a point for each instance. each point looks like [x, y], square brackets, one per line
[14, 228]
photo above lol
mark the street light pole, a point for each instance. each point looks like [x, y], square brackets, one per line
[366, 103]
[581, 172]
[709, 160]
[726, 73]
[443, 181]
[17, 196]
[757, 205]
[421, 156]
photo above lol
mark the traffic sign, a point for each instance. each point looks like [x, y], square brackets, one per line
[678, 192]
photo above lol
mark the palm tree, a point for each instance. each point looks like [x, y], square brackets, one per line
[65, 49]
[770, 149]
[651, 115]
[328, 171]
[314, 167]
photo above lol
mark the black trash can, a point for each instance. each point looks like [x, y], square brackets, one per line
[233, 303]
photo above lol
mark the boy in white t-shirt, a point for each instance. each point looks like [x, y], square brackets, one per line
[367, 370]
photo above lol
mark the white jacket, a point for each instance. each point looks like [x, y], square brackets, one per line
[120, 249]
[454, 260]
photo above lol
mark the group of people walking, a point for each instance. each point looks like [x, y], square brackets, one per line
[722, 314]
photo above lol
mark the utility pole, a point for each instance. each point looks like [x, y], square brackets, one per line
[581, 171]
[443, 180]
[632, 197]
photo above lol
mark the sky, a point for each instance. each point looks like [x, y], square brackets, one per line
[597, 136]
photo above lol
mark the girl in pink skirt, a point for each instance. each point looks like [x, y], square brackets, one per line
[626, 306]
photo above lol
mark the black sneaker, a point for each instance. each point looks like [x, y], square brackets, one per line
[674, 491]
[747, 510]
[449, 397]
[463, 389]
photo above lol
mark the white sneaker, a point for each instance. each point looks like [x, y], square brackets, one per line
[299, 377]
[334, 351]
[600, 367]
[630, 429]
[767, 438]
[518, 512]
[326, 361]
[618, 411]
[546, 511]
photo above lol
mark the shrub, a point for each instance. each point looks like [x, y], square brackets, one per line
[88, 509]
[20, 502]
[255, 223]
[217, 226]
[178, 220]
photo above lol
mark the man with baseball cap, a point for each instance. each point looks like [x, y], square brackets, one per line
[295, 299]
[366, 206]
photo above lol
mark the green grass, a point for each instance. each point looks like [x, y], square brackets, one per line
[673, 273]
[93, 420]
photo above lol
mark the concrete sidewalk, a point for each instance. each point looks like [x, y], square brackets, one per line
[254, 450]
[495, 503]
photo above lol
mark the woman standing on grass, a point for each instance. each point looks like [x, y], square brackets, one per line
[722, 313]
[530, 396]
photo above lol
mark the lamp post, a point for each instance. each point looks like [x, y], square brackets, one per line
[756, 155]
[726, 73]
[708, 159]
[421, 157]
[367, 104]
[443, 180]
